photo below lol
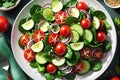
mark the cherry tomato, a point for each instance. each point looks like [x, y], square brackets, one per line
[81, 6]
[98, 54]
[79, 67]
[85, 23]
[24, 39]
[85, 53]
[60, 49]
[4, 24]
[64, 30]
[51, 68]
[29, 55]
[60, 17]
[101, 25]
[38, 35]
[114, 78]
[101, 36]
[53, 39]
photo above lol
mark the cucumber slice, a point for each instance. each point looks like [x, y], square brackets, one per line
[45, 26]
[57, 5]
[78, 28]
[75, 36]
[77, 46]
[74, 12]
[88, 35]
[40, 58]
[86, 67]
[48, 14]
[96, 65]
[58, 61]
[28, 25]
[37, 47]
[96, 22]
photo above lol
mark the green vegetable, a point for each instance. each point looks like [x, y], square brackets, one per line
[96, 65]
[117, 22]
[71, 20]
[69, 53]
[107, 25]
[106, 46]
[41, 68]
[20, 45]
[37, 17]
[34, 64]
[49, 76]
[35, 9]
[70, 76]
[70, 3]
[8, 4]
[99, 14]
[59, 74]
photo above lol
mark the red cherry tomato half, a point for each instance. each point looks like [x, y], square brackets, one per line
[53, 39]
[24, 39]
[29, 55]
[85, 53]
[79, 67]
[64, 30]
[51, 68]
[4, 24]
[60, 49]
[81, 6]
[114, 78]
[60, 17]
[101, 36]
[38, 35]
[85, 23]
[101, 25]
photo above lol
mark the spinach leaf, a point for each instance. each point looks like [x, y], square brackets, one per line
[59, 74]
[34, 64]
[70, 77]
[8, 4]
[37, 17]
[99, 14]
[70, 3]
[71, 20]
[49, 76]
[73, 60]
[96, 65]
[106, 46]
[35, 9]
[46, 40]
[69, 53]
[107, 25]
[117, 22]
[41, 68]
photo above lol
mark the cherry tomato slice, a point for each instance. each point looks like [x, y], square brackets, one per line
[65, 30]
[81, 6]
[85, 53]
[85, 23]
[79, 67]
[101, 36]
[60, 17]
[29, 55]
[24, 39]
[60, 49]
[53, 39]
[101, 25]
[51, 68]
[38, 35]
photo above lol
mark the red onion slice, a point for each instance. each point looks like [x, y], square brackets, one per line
[40, 23]
[68, 70]
[52, 28]
[88, 15]
[29, 44]
[46, 5]
[67, 40]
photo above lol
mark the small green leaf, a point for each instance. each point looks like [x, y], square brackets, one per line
[49, 76]
[34, 64]
[71, 20]
[35, 9]
[106, 46]
[41, 68]
[70, 77]
[8, 4]
[69, 53]
[70, 3]
[107, 25]
[117, 22]
[37, 17]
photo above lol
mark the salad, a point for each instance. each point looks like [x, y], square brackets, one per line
[61, 39]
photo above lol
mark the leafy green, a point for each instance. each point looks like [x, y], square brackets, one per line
[71, 20]
[96, 65]
[37, 17]
[70, 3]
[107, 25]
[106, 46]
[35, 9]
[99, 14]
[69, 53]
[41, 68]
[70, 76]
[59, 74]
[117, 22]
[49, 76]
[33, 64]
[20, 45]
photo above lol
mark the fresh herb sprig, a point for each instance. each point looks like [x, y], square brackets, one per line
[117, 24]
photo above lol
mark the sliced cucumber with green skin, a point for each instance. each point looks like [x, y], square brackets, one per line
[58, 61]
[40, 58]
[88, 35]
[86, 67]
[28, 25]
[77, 46]
[74, 12]
[78, 28]
[96, 22]
[75, 36]
[45, 26]
[37, 47]
[57, 5]
[48, 14]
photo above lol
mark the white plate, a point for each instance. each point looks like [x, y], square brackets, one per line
[33, 72]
